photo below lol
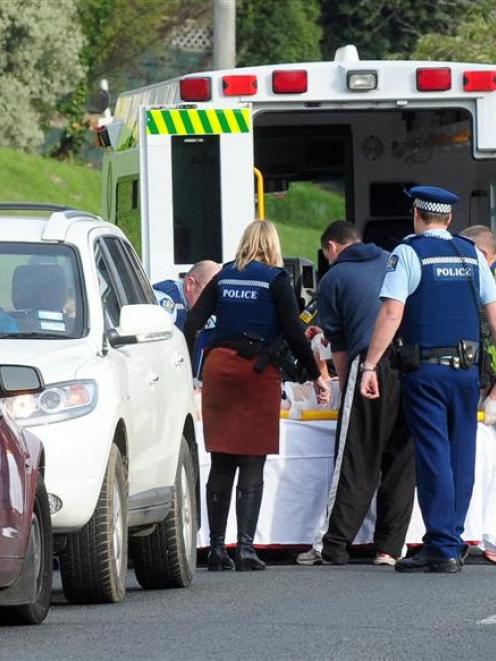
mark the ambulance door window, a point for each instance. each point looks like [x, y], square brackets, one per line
[127, 209]
[196, 198]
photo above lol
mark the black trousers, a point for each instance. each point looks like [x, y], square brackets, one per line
[223, 469]
[373, 451]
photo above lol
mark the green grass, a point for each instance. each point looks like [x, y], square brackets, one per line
[34, 178]
[301, 215]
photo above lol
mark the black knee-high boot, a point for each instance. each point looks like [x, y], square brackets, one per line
[218, 511]
[247, 510]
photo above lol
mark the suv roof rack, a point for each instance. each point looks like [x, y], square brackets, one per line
[59, 221]
[32, 206]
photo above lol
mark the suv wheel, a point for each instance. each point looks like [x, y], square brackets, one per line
[93, 565]
[167, 557]
[41, 543]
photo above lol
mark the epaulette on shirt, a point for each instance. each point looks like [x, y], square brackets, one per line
[412, 237]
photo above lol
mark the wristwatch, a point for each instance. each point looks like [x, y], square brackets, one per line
[363, 368]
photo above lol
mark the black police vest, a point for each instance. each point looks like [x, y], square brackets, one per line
[445, 306]
[245, 305]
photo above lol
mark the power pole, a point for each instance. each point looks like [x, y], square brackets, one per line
[224, 55]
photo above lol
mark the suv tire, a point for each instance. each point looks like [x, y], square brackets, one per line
[93, 565]
[167, 557]
[41, 540]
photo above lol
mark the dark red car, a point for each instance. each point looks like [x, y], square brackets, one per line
[25, 527]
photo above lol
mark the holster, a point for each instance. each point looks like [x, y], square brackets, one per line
[405, 357]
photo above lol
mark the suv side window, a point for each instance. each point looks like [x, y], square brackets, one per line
[129, 278]
[140, 274]
[110, 299]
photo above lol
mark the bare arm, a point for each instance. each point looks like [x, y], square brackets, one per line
[388, 322]
[490, 310]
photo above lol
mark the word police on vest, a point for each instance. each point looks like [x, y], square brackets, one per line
[239, 293]
[453, 272]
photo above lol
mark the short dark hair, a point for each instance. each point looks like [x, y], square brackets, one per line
[340, 231]
[430, 217]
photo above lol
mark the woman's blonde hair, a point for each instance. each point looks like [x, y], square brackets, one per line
[260, 241]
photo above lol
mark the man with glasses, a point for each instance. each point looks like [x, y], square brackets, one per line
[432, 291]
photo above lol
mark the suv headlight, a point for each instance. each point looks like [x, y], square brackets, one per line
[59, 401]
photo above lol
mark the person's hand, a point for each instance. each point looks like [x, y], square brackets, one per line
[322, 391]
[489, 408]
[369, 387]
[312, 331]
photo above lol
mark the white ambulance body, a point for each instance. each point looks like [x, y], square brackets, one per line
[179, 171]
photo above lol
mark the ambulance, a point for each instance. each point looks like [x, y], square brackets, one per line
[190, 161]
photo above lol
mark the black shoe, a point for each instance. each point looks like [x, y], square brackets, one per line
[421, 562]
[331, 556]
[248, 504]
[218, 510]
[246, 559]
[218, 558]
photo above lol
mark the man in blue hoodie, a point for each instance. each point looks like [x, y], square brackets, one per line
[373, 448]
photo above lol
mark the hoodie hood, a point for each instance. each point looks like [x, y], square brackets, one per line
[360, 252]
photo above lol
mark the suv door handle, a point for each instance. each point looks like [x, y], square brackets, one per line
[179, 360]
[154, 379]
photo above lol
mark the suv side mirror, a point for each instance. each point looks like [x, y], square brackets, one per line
[19, 380]
[141, 323]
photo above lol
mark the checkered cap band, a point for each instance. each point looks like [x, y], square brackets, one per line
[434, 207]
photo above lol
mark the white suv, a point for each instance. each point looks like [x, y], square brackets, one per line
[117, 415]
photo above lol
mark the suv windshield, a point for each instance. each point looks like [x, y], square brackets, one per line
[40, 291]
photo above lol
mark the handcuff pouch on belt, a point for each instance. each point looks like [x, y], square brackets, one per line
[408, 357]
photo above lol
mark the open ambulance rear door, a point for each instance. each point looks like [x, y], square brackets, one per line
[196, 184]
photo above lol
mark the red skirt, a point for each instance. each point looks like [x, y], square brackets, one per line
[240, 407]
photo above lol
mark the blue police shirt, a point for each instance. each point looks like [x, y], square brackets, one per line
[176, 306]
[403, 272]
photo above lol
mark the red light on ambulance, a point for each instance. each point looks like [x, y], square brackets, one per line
[239, 85]
[434, 80]
[195, 89]
[289, 82]
[479, 81]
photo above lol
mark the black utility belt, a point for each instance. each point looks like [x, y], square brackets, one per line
[408, 357]
[250, 347]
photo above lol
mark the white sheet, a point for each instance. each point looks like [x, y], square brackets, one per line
[297, 483]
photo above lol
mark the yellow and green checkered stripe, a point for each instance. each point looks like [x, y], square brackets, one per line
[198, 122]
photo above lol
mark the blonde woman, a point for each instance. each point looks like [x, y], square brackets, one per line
[255, 307]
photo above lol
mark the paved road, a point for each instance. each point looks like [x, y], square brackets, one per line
[287, 612]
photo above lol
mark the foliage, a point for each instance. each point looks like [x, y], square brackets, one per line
[117, 32]
[384, 28]
[269, 31]
[39, 63]
[473, 40]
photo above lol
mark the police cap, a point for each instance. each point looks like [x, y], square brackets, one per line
[433, 198]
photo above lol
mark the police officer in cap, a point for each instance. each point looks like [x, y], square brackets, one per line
[432, 292]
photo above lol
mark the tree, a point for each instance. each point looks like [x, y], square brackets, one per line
[385, 28]
[117, 32]
[269, 31]
[473, 40]
[39, 63]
